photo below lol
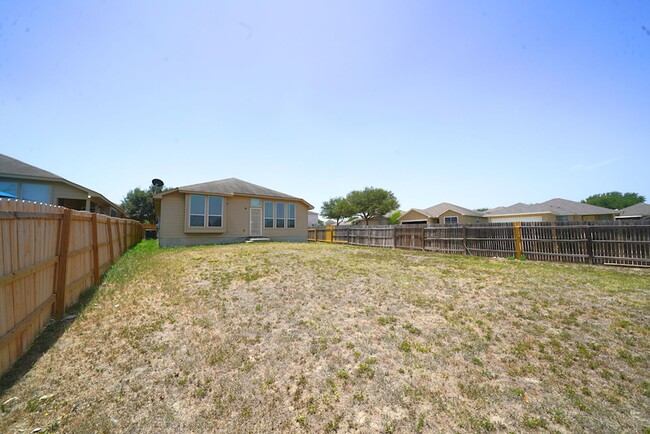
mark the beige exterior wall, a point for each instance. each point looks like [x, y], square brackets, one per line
[175, 231]
[547, 217]
[462, 219]
[413, 215]
[522, 218]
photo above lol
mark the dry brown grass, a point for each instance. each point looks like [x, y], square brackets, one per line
[325, 338]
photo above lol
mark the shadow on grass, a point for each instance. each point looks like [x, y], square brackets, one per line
[45, 340]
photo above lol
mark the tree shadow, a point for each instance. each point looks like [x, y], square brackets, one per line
[45, 340]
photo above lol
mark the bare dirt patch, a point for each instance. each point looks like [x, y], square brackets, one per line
[322, 338]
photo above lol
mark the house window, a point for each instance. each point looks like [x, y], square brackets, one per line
[10, 188]
[113, 213]
[563, 218]
[256, 203]
[215, 211]
[291, 215]
[197, 210]
[268, 214]
[37, 192]
[279, 215]
[199, 204]
[453, 220]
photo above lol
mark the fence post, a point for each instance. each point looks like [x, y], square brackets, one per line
[518, 244]
[422, 244]
[464, 233]
[110, 240]
[395, 236]
[93, 222]
[119, 239]
[62, 264]
[590, 247]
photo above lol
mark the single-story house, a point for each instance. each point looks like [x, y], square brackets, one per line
[635, 212]
[312, 219]
[228, 211]
[20, 180]
[554, 210]
[445, 213]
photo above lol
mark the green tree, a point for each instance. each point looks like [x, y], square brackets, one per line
[138, 204]
[337, 209]
[614, 199]
[393, 219]
[372, 202]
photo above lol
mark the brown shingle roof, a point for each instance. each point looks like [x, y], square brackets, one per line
[436, 210]
[555, 206]
[234, 186]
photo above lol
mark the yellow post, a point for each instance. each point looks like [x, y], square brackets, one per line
[329, 231]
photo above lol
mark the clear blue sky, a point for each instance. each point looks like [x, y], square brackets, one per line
[478, 103]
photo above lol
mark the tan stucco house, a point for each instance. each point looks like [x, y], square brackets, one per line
[442, 213]
[19, 180]
[229, 211]
[554, 210]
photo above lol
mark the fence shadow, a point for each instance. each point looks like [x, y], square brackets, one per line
[44, 341]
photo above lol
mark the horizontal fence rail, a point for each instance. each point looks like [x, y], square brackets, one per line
[608, 243]
[49, 256]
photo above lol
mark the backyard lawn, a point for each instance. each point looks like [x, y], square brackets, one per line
[332, 338]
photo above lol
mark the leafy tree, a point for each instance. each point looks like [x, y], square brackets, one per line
[138, 204]
[614, 199]
[337, 209]
[394, 217]
[372, 202]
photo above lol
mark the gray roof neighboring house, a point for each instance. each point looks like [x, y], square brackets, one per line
[554, 206]
[13, 168]
[635, 211]
[436, 211]
[234, 187]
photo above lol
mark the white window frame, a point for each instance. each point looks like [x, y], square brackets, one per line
[291, 219]
[455, 217]
[272, 217]
[206, 214]
[277, 217]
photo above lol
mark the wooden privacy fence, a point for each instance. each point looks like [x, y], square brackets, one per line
[610, 243]
[49, 256]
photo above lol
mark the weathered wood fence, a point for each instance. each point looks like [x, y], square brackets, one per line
[49, 256]
[611, 243]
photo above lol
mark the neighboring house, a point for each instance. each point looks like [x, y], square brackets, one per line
[635, 212]
[228, 211]
[23, 181]
[554, 210]
[442, 213]
[312, 219]
[377, 220]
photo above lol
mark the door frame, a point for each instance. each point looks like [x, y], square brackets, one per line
[250, 221]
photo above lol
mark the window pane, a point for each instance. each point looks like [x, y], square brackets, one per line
[214, 205]
[9, 187]
[268, 210]
[256, 202]
[279, 208]
[214, 220]
[197, 220]
[37, 192]
[279, 223]
[197, 204]
[291, 223]
[291, 210]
